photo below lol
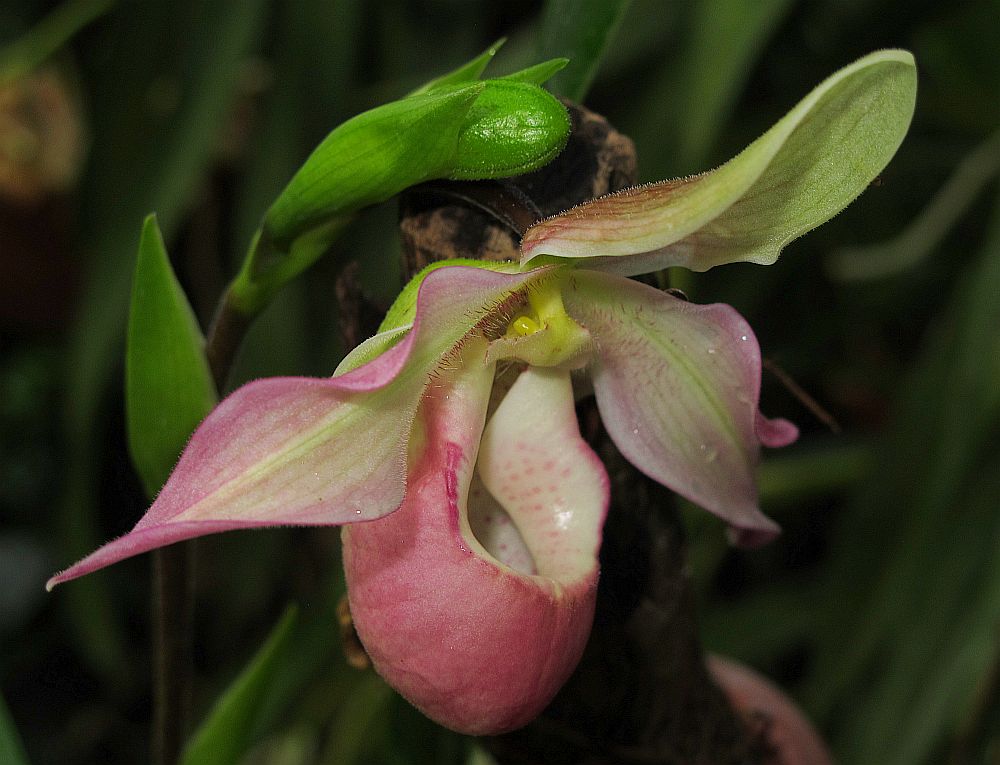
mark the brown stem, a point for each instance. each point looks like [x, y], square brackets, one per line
[229, 327]
[173, 616]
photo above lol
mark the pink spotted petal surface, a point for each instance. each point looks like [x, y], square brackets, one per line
[548, 479]
[304, 451]
[678, 385]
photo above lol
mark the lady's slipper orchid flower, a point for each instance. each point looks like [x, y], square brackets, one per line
[474, 594]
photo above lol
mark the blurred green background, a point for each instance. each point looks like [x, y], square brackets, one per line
[878, 609]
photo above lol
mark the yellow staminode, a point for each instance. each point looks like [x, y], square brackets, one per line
[522, 326]
[547, 305]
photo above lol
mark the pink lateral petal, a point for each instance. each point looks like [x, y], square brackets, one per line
[305, 451]
[678, 386]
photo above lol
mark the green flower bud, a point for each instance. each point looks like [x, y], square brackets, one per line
[370, 158]
[478, 130]
[512, 128]
[453, 127]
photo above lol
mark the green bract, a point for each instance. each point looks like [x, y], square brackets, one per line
[168, 385]
[478, 130]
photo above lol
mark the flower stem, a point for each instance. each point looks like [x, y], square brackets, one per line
[173, 616]
[225, 335]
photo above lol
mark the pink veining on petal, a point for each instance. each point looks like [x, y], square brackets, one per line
[629, 222]
[305, 451]
[450, 300]
[678, 387]
[475, 645]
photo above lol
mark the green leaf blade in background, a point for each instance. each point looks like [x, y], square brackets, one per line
[11, 749]
[920, 541]
[726, 38]
[168, 383]
[231, 727]
[581, 31]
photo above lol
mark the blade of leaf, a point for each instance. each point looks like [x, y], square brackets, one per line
[726, 38]
[352, 729]
[941, 533]
[168, 384]
[48, 36]
[228, 731]
[11, 748]
[580, 30]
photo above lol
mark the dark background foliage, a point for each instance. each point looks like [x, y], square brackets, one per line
[879, 608]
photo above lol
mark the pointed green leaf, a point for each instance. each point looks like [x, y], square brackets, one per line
[539, 73]
[799, 174]
[469, 72]
[581, 31]
[168, 385]
[11, 748]
[230, 728]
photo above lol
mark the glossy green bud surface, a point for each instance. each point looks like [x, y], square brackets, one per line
[512, 128]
